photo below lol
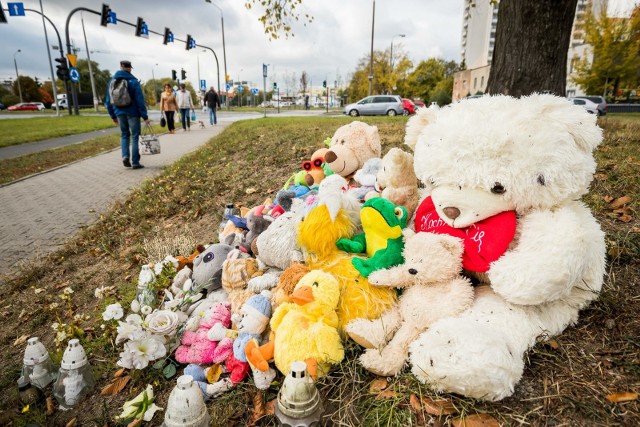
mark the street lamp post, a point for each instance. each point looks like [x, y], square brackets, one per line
[155, 86]
[373, 20]
[224, 52]
[391, 59]
[17, 75]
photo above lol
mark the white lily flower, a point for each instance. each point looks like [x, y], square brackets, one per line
[113, 311]
[135, 306]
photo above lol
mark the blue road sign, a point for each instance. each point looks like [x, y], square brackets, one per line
[112, 18]
[255, 91]
[15, 9]
[144, 31]
[228, 86]
[170, 37]
[203, 85]
[74, 75]
[240, 88]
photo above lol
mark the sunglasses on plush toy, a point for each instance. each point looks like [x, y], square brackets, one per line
[307, 165]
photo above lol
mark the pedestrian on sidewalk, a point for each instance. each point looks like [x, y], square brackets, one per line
[125, 103]
[168, 107]
[185, 104]
[212, 101]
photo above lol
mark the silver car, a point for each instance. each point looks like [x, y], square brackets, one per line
[376, 105]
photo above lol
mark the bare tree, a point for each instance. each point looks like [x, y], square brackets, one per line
[304, 82]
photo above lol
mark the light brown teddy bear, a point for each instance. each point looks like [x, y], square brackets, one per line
[351, 146]
[396, 180]
[237, 270]
[433, 289]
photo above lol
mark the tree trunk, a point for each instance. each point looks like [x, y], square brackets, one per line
[532, 40]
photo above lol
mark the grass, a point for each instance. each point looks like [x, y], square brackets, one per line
[20, 167]
[21, 131]
[563, 385]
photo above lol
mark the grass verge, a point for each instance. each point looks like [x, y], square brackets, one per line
[19, 167]
[20, 131]
[564, 383]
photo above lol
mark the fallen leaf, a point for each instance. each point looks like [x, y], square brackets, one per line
[25, 409]
[607, 199]
[38, 290]
[438, 407]
[623, 396]
[135, 423]
[620, 202]
[21, 340]
[414, 403]
[387, 394]
[625, 218]
[115, 387]
[270, 407]
[197, 213]
[601, 177]
[120, 372]
[62, 285]
[621, 211]
[250, 190]
[213, 374]
[258, 409]
[553, 344]
[71, 423]
[378, 385]
[477, 420]
[51, 407]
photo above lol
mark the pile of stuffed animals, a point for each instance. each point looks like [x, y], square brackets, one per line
[453, 279]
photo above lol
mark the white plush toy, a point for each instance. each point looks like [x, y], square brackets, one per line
[506, 175]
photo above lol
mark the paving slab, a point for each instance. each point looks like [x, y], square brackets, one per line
[40, 213]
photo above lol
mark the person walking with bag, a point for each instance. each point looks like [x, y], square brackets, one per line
[125, 103]
[183, 97]
[212, 101]
[168, 107]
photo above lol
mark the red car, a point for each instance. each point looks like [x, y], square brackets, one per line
[419, 103]
[409, 107]
[24, 106]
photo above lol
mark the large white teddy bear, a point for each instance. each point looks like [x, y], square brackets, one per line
[506, 175]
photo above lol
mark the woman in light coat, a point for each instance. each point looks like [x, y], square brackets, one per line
[168, 107]
[183, 97]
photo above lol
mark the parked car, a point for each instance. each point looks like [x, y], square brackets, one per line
[33, 106]
[2, 106]
[600, 101]
[590, 106]
[409, 107]
[376, 105]
[418, 103]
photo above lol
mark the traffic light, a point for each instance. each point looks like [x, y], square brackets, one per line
[104, 15]
[190, 42]
[167, 36]
[174, 75]
[183, 73]
[141, 28]
[275, 85]
[62, 69]
[324, 83]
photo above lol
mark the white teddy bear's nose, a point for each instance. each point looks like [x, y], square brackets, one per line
[451, 212]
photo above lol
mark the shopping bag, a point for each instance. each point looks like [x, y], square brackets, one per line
[193, 115]
[163, 121]
[149, 143]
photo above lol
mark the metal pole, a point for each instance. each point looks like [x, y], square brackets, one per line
[17, 75]
[93, 84]
[217, 64]
[264, 88]
[53, 76]
[373, 21]
[155, 87]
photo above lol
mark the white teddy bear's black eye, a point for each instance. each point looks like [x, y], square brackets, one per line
[498, 188]
[541, 180]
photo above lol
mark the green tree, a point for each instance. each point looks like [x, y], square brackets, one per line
[29, 88]
[383, 79]
[615, 45]
[100, 77]
[431, 77]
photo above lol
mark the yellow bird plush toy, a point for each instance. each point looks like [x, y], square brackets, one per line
[305, 329]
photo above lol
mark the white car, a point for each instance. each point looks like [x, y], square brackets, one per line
[590, 106]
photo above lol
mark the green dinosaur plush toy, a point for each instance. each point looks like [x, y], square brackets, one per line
[382, 222]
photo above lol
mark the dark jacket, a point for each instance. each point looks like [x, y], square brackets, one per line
[212, 100]
[137, 107]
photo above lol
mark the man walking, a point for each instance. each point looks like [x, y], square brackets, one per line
[125, 103]
[212, 101]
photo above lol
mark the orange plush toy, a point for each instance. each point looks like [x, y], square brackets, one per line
[315, 172]
[188, 261]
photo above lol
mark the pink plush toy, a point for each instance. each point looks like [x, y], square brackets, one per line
[197, 348]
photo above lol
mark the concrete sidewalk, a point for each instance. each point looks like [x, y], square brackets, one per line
[40, 213]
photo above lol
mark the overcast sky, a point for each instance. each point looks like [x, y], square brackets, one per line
[328, 48]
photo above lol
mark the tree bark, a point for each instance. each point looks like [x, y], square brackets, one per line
[532, 41]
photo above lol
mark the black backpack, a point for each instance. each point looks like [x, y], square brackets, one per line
[119, 92]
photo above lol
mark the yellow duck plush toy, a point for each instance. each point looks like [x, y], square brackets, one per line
[305, 329]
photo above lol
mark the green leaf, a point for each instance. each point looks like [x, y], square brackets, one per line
[169, 371]
[159, 364]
